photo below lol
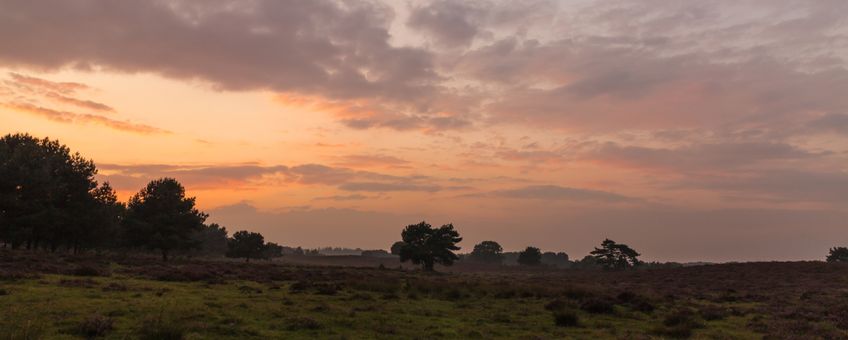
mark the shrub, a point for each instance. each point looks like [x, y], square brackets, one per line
[161, 329]
[86, 270]
[598, 306]
[95, 326]
[303, 323]
[566, 319]
[679, 324]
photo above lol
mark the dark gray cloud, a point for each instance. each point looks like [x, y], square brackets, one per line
[337, 50]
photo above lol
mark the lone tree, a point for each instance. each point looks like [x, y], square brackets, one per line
[161, 217]
[247, 245]
[425, 245]
[612, 255]
[531, 256]
[838, 254]
[488, 252]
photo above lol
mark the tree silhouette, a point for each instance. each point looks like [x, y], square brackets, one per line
[531, 256]
[161, 217]
[45, 193]
[395, 250]
[425, 245]
[612, 255]
[245, 244]
[211, 240]
[838, 254]
[488, 252]
[272, 250]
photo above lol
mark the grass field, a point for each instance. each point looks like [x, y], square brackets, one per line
[57, 297]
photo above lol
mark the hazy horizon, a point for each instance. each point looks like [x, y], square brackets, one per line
[692, 131]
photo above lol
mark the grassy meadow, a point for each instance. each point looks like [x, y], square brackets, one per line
[64, 297]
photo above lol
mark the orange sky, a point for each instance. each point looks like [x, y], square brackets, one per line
[692, 131]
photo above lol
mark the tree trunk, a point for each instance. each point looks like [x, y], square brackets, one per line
[164, 255]
[428, 266]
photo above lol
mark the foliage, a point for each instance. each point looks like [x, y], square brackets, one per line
[161, 217]
[488, 252]
[838, 254]
[612, 255]
[555, 259]
[245, 244]
[531, 256]
[272, 250]
[49, 198]
[211, 240]
[425, 245]
[395, 249]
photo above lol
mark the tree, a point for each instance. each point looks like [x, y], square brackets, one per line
[425, 245]
[838, 254]
[272, 250]
[45, 192]
[555, 259]
[531, 256]
[488, 252]
[211, 240]
[245, 244]
[395, 250]
[161, 217]
[612, 255]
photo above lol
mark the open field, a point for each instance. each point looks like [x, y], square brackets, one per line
[63, 297]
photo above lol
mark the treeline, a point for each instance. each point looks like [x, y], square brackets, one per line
[422, 244]
[50, 200]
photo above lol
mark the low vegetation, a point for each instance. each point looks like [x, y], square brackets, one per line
[45, 297]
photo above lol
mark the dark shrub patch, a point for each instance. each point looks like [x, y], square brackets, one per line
[3, 292]
[679, 324]
[713, 313]
[598, 306]
[95, 326]
[303, 323]
[115, 287]
[626, 296]
[555, 305]
[160, 329]
[298, 286]
[566, 319]
[86, 270]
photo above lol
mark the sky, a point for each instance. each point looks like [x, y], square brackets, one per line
[690, 130]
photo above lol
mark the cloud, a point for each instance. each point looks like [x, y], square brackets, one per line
[82, 103]
[70, 117]
[557, 193]
[372, 160]
[388, 187]
[236, 176]
[351, 197]
[335, 50]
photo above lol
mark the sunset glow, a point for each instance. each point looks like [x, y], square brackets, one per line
[696, 130]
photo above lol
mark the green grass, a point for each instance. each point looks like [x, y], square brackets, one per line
[55, 307]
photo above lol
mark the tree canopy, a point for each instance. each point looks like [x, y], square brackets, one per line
[838, 254]
[612, 255]
[49, 197]
[488, 252]
[531, 256]
[161, 217]
[425, 245]
[246, 245]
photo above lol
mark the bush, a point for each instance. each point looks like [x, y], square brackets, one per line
[566, 319]
[95, 326]
[598, 306]
[679, 324]
[303, 323]
[161, 329]
[86, 270]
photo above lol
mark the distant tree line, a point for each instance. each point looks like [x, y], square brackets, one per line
[50, 200]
